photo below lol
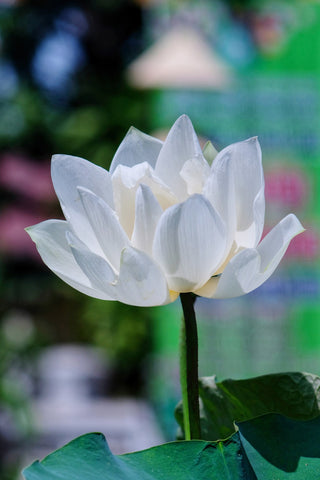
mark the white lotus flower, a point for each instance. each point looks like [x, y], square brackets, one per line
[163, 221]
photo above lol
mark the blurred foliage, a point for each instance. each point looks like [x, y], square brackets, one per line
[112, 329]
[124, 332]
[83, 107]
[85, 110]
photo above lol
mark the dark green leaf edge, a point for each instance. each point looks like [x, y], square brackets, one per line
[295, 395]
[88, 458]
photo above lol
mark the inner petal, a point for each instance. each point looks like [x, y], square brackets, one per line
[136, 147]
[147, 215]
[180, 145]
[126, 181]
[195, 172]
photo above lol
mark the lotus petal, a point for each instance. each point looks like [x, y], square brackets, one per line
[147, 215]
[241, 166]
[68, 173]
[141, 281]
[136, 147]
[125, 184]
[180, 145]
[96, 268]
[189, 243]
[105, 225]
[50, 239]
[251, 267]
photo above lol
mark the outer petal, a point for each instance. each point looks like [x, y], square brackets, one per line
[241, 164]
[147, 215]
[68, 173]
[51, 242]
[141, 281]
[251, 267]
[136, 147]
[105, 224]
[97, 269]
[189, 243]
[180, 145]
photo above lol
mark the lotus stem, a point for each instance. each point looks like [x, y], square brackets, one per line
[189, 368]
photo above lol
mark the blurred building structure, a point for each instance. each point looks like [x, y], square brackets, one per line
[73, 400]
[180, 59]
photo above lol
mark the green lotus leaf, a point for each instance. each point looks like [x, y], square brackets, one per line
[294, 394]
[89, 458]
[265, 448]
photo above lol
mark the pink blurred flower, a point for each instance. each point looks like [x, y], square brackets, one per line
[20, 175]
[13, 239]
[286, 187]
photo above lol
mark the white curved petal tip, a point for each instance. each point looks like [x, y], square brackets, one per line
[135, 148]
[183, 118]
[292, 224]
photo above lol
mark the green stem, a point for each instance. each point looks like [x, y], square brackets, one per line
[189, 368]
